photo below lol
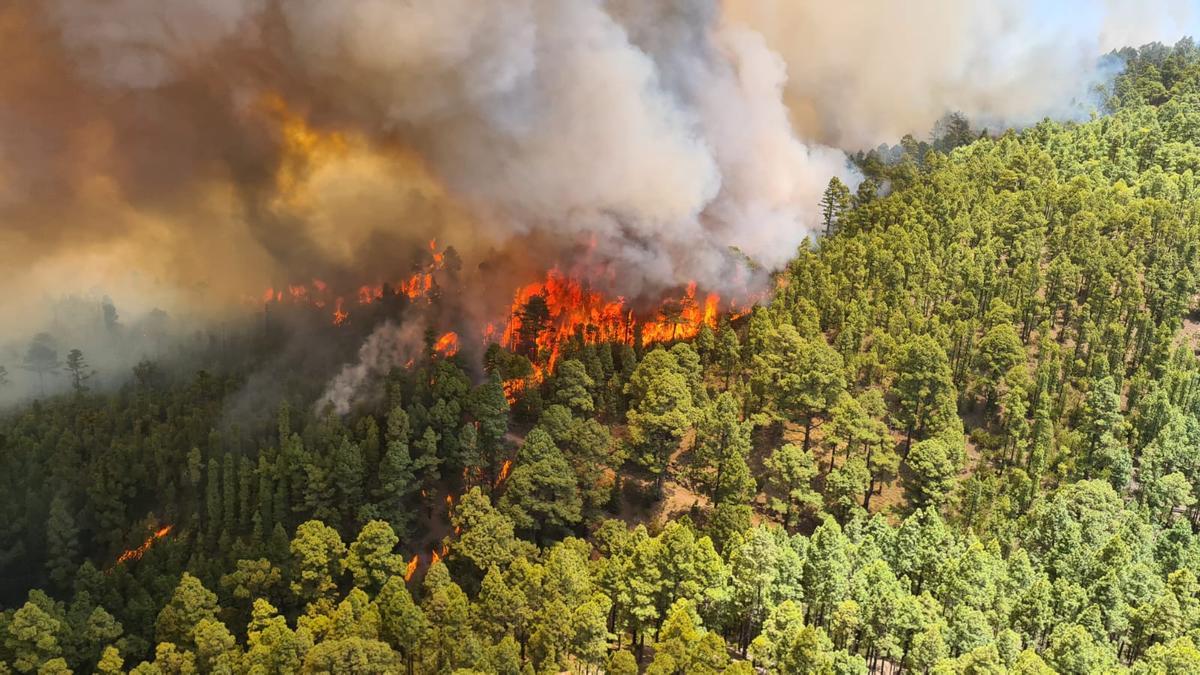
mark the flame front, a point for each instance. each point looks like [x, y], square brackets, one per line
[137, 553]
[419, 285]
[545, 315]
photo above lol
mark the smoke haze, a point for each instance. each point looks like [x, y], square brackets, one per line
[183, 154]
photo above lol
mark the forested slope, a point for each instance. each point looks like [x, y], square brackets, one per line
[963, 435]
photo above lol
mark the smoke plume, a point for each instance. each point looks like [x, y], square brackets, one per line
[388, 346]
[182, 153]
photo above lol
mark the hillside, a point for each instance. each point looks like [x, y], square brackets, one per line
[961, 435]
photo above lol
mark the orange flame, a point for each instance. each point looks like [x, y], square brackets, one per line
[418, 285]
[504, 469]
[369, 294]
[137, 553]
[447, 345]
[513, 388]
[412, 567]
[438, 554]
[339, 315]
[572, 309]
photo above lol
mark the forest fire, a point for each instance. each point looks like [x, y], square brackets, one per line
[447, 344]
[546, 314]
[137, 553]
[542, 319]
[418, 285]
[438, 554]
[504, 469]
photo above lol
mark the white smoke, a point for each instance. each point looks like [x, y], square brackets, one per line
[863, 73]
[389, 346]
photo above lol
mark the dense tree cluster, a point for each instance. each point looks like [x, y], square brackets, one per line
[962, 436]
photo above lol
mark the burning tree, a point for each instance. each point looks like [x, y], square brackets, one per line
[548, 315]
[137, 553]
[532, 321]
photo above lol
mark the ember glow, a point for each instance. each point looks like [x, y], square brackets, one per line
[137, 553]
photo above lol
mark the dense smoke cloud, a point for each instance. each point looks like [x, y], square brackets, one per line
[183, 153]
[864, 73]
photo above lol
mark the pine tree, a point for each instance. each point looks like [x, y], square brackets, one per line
[78, 371]
[834, 203]
[41, 358]
[728, 351]
[62, 542]
[790, 470]
[372, 559]
[212, 498]
[349, 477]
[229, 494]
[190, 604]
[489, 407]
[541, 495]
[402, 623]
[722, 440]
[32, 637]
[661, 411]
[317, 555]
[573, 387]
[397, 483]
[932, 465]
[485, 536]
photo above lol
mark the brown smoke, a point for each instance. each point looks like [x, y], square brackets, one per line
[187, 154]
